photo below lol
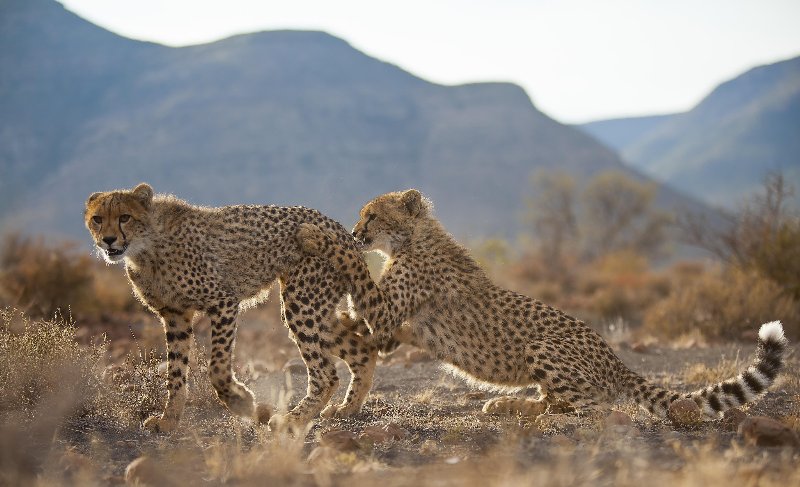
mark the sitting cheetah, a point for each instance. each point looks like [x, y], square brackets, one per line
[182, 260]
[497, 337]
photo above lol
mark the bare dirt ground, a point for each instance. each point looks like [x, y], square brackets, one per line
[421, 426]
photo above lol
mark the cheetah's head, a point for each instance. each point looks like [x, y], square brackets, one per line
[119, 221]
[387, 221]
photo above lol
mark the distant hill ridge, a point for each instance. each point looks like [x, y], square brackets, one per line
[721, 149]
[281, 117]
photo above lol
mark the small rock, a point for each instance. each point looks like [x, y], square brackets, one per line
[618, 422]
[639, 347]
[764, 431]
[475, 396]
[375, 435]
[295, 366]
[428, 447]
[381, 434]
[685, 412]
[732, 418]
[341, 440]
[143, 471]
[396, 431]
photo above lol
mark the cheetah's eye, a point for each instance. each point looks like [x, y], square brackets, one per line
[97, 219]
[124, 218]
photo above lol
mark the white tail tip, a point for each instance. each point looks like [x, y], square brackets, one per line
[772, 331]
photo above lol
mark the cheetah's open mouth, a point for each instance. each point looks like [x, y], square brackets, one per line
[116, 252]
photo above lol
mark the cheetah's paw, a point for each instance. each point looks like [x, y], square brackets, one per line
[288, 423]
[239, 400]
[340, 410]
[514, 405]
[159, 424]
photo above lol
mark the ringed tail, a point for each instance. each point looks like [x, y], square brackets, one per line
[715, 399]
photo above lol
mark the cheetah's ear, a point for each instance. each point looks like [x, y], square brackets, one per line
[144, 193]
[412, 201]
[92, 197]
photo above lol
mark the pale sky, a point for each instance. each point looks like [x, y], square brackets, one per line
[579, 60]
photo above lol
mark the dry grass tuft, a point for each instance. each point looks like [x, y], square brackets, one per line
[701, 373]
[40, 360]
[82, 427]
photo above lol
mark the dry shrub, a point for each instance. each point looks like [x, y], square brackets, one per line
[533, 275]
[620, 285]
[723, 304]
[133, 390]
[42, 277]
[40, 362]
[491, 253]
[46, 379]
[137, 388]
[763, 235]
[110, 292]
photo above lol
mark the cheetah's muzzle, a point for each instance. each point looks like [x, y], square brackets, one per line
[112, 252]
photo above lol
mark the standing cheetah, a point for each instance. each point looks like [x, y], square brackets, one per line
[494, 336]
[182, 260]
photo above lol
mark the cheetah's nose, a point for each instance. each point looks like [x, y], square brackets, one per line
[109, 240]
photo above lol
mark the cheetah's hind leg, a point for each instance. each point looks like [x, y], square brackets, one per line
[305, 318]
[360, 357]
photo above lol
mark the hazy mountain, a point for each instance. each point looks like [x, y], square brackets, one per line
[722, 148]
[621, 133]
[274, 117]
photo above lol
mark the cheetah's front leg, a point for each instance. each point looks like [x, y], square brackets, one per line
[235, 395]
[360, 356]
[178, 329]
